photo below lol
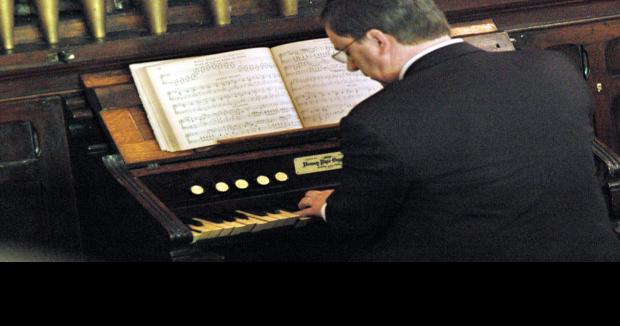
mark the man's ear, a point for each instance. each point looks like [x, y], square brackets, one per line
[383, 40]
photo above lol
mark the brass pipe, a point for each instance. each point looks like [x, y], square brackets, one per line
[220, 10]
[48, 16]
[95, 17]
[289, 7]
[7, 24]
[156, 12]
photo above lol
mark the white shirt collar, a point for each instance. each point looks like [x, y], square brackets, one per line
[426, 51]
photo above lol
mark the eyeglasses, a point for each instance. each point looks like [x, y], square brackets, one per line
[342, 56]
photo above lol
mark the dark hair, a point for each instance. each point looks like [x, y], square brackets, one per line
[409, 21]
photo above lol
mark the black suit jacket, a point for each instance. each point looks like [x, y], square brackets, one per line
[474, 156]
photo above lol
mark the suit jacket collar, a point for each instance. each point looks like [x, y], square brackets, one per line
[441, 55]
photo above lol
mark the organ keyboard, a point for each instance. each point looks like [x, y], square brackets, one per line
[234, 201]
[218, 201]
[225, 224]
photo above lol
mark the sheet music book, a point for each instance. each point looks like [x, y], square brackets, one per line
[195, 102]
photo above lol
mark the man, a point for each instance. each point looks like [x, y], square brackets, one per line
[465, 155]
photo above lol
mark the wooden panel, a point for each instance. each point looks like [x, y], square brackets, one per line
[133, 19]
[486, 5]
[595, 38]
[192, 41]
[124, 127]
[25, 218]
[557, 16]
[106, 78]
[572, 34]
[133, 136]
[192, 14]
[525, 14]
[37, 85]
[613, 69]
[37, 201]
[600, 82]
[115, 96]
[613, 57]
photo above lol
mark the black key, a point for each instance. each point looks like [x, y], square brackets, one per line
[239, 215]
[225, 217]
[192, 222]
[213, 218]
[256, 211]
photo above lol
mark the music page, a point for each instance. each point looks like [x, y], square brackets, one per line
[221, 96]
[321, 88]
[159, 124]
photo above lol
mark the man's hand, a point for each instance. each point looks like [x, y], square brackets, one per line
[313, 201]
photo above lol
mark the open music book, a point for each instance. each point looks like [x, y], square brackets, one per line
[195, 102]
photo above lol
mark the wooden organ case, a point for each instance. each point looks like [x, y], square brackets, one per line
[82, 171]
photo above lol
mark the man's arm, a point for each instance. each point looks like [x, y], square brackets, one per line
[372, 186]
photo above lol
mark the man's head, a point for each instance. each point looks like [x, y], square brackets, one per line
[379, 35]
